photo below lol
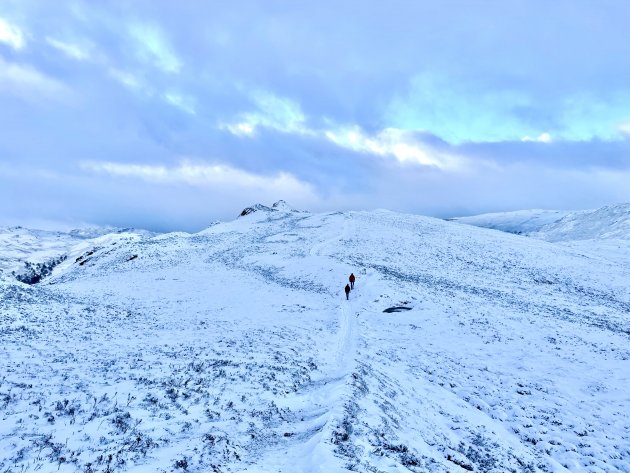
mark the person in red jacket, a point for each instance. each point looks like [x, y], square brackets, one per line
[352, 278]
[347, 291]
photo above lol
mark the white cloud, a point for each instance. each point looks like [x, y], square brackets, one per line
[240, 129]
[183, 102]
[25, 80]
[277, 113]
[154, 48]
[73, 51]
[11, 35]
[286, 116]
[400, 144]
[138, 84]
[542, 138]
[624, 128]
[205, 175]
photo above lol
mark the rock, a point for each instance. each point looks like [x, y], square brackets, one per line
[389, 310]
[256, 208]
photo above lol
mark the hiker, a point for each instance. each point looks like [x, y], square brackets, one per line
[347, 291]
[352, 278]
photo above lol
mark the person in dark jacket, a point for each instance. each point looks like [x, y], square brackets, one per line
[347, 291]
[352, 278]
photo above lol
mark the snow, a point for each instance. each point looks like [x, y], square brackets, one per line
[18, 244]
[234, 349]
[602, 233]
[610, 222]
[519, 221]
[282, 205]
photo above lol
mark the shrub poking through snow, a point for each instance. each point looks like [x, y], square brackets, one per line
[32, 273]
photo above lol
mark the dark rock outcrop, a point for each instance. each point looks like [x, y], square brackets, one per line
[256, 208]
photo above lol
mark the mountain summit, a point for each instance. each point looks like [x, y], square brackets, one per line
[283, 206]
[279, 206]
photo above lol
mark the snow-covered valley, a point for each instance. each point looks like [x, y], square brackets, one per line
[234, 350]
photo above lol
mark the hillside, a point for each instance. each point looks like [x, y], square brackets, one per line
[234, 350]
[610, 222]
[518, 222]
[20, 245]
[602, 233]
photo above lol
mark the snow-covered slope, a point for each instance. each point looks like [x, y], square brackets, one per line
[601, 233]
[610, 222]
[235, 350]
[20, 245]
[519, 221]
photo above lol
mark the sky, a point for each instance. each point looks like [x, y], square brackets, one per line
[171, 115]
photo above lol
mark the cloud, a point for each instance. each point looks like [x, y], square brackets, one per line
[73, 51]
[278, 113]
[205, 175]
[464, 111]
[460, 111]
[153, 48]
[182, 102]
[286, 116]
[11, 35]
[403, 145]
[24, 80]
[542, 138]
[586, 115]
[240, 129]
[624, 128]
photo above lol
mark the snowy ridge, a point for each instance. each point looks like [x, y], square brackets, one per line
[234, 349]
[519, 222]
[610, 222]
[20, 245]
[283, 206]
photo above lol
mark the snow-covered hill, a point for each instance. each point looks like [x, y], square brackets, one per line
[234, 349]
[519, 221]
[610, 222]
[20, 245]
[601, 233]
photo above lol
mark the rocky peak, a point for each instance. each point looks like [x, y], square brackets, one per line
[256, 208]
[283, 206]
